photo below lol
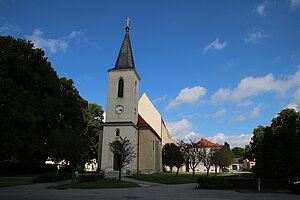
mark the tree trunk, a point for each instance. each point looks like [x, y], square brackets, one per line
[216, 169]
[207, 171]
[193, 172]
[177, 171]
[120, 173]
[73, 171]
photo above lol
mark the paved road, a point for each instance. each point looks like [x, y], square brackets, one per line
[151, 191]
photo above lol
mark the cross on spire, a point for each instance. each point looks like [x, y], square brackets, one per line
[127, 21]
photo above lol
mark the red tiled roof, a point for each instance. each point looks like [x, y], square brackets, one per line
[207, 143]
[203, 143]
[142, 122]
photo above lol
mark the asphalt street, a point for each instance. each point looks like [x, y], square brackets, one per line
[148, 190]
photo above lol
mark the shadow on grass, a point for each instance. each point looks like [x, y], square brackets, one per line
[15, 180]
[100, 184]
[170, 178]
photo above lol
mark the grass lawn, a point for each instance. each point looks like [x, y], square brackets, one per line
[104, 183]
[170, 178]
[13, 181]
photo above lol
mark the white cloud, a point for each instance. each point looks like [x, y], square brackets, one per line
[217, 114]
[216, 45]
[294, 3]
[159, 99]
[8, 29]
[188, 96]
[181, 130]
[261, 7]
[255, 36]
[59, 44]
[255, 113]
[245, 103]
[296, 102]
[251, 86]
[234, 141]
[239, 118]
[53, 45]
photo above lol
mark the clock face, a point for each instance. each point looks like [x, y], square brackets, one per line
[119, 109]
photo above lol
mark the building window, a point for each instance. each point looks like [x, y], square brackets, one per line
[153, 145]
[117, 132]
[120, 88]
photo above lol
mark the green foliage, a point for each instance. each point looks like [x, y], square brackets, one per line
[239, 183]
[92, 116]
[41, 115]
[52, 177]
[28, 95]
[226, 145]
[173, 156]
[90, 177]
[223, 157]
[126, 151]
[239, 152]
[276, 148]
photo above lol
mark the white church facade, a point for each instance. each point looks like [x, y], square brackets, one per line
[127, 116]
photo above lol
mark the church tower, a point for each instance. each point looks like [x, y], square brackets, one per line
[121, 107]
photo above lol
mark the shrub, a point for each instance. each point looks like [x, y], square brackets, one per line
[52, 177]
[90, 177]
[239, 183]
[66, 168]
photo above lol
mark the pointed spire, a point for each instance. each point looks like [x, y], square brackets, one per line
[125, 57]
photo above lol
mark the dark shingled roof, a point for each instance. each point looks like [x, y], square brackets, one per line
[125, 57]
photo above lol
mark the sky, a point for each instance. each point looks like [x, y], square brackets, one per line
[214, 69]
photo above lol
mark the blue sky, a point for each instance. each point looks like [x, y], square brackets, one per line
[214, 69]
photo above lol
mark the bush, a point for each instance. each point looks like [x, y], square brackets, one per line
[90, 177]
[52, 177]
[239, 183]
[66, 168]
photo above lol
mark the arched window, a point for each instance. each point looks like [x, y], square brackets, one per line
[117, 132]
[120, 88]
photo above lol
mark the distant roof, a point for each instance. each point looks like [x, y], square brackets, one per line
[207, 143]
[125, 57]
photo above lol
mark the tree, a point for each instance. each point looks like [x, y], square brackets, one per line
[239, 152]
[68, 141]
[29, 98]
[193, 155]
[93, 117]
[223, 157]
[276, 148]
[173, 156]
[41, 115]
[124, 152]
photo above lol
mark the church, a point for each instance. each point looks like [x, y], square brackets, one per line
[127, 116]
